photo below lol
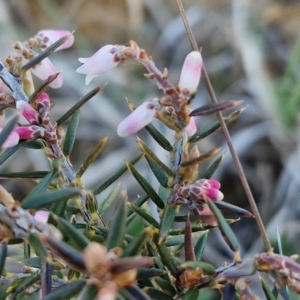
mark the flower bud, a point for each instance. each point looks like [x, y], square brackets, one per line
[28, 112]
[191, 128]
[139, 118]
[12, 140]
[29, 132]
[45, 69]
[190, 73]
[95, 260]
[101, 62]
[41, 216]
[51, 36]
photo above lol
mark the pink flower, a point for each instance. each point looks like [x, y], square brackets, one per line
[209, 188]
[28, 112]
[190, 74]
[30, 132]
[191, 128]
[12, 140]
[51, 36]
[46, 69]
[105, 59]
[202, 189]
[41, 216]
[139, 118]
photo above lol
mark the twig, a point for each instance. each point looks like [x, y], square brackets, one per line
[13, 84]
[226, 133]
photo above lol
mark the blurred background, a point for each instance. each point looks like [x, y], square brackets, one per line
[251, 50]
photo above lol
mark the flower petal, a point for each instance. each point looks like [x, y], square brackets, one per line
[101, 62]
[28, 112]
[191, 128]
[139, 118]
[12, 140]
[46, 69]
[191, 72]
[51, 36]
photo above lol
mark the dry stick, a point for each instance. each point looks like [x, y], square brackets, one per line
[226, 134]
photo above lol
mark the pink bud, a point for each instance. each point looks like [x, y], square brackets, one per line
[51, 36]
[44, 99]
[139, 118]
[212, 194]
[12, 140]
[190, 73]
[41, 216]
[101, 62]
[29, 132]
[46, 69]
[191, 128]
[28, 112]
[209, 183]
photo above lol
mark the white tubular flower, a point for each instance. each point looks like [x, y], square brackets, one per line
[105, 59]
[139, 118]
[190, 73]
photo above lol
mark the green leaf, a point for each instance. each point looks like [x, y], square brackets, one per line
[210, 109]
[9, 152]
[200, 245]
[134, 292]
[43, 200]
[141, 212]
[161, 177]
[173, 240]
[29, 175]
[58, 209]
[79, 104]
[71, 134]
[66, 291]
[268, 293]
[115, 176]
[38, 246]
[73, 233]
[112, 196]
[191, 293]
[167, 220]
[8, 128]
[137, 202]
[45, 53]
[136, 244]
[95, 153]
[146, 186]
[118, 227]
[70, 255]
[232, 208]
[20, 284]
[225, 229]
[159, 138]
[149, 272]
[42, 186]
[165, 286]
[157, 294]
[151, 156]
[3, 254]
[90, 291]
[209, 129]
[33, 144]
[34, 262]
[213, 168]
[166, 256]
